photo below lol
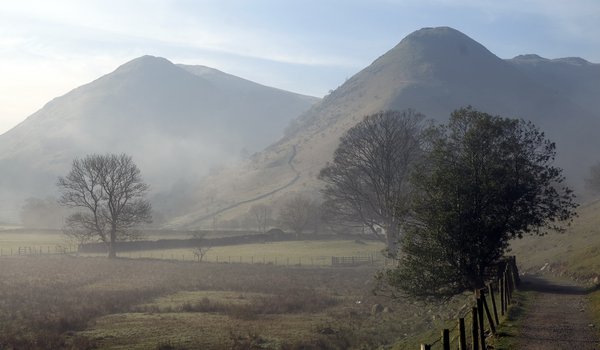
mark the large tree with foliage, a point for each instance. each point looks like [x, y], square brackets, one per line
[107, 193]
[367, 184]
[484, 181]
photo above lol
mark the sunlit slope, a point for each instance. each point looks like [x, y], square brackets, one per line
[433, 70]
[576, 251]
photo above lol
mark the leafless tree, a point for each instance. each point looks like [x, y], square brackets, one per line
[261, 215]
[200, 252]
[201, 246]
[108, 193]
[299, 213]
[367, 184]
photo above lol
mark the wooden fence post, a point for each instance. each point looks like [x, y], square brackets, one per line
[491, 291]
[462, 336]
[502, 298]
[446, 339]
[509, 287]
[487, 312]
[474, 330]
[480, 321]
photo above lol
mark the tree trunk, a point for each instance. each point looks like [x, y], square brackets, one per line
[391, 239]
[392, 246]
[112, 252]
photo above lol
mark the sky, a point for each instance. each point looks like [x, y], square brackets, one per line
[48, 48]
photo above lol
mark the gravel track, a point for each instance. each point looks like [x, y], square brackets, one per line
[558, 317]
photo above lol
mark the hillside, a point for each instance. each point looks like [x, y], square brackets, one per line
[574, 252]
[177, 122]
[433, 70]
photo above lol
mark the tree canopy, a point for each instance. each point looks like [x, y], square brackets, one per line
[367, 184]
[108, 193]
[484, 181]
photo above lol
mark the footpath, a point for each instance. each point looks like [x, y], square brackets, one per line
[558, 317]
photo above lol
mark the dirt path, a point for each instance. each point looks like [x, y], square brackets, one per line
[259, 197]
[558, 318]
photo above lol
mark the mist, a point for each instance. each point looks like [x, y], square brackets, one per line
[242, 250]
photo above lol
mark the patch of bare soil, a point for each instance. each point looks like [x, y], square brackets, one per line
[558, 318]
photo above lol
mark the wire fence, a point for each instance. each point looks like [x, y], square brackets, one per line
[37, 250]
[190, 256]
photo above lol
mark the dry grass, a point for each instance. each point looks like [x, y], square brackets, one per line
[574, 252]
[80, 303]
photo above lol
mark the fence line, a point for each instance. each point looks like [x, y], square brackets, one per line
[307, 260]
[484, 312]
[37, 250]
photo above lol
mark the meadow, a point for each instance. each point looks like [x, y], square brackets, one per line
[293, 299]
[274, 299]
[66, 302]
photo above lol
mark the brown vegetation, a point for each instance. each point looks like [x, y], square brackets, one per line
[47, 303]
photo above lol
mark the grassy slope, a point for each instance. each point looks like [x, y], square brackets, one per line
[574, 252]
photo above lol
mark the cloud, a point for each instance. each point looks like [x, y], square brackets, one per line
[158, 24]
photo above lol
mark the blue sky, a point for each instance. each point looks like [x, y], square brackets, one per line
[48, 48]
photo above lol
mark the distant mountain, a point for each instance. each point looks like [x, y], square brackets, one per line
[572, 77]
[435, 71]
[177, 121]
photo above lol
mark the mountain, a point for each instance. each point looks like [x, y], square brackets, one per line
[176, 121]
[573, 77]
[435, 71]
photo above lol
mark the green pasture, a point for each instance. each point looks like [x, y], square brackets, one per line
[277, 253]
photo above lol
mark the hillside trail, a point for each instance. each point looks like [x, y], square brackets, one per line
[259, 197]
[559, 317]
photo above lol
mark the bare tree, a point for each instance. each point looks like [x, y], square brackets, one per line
[201, 246]
[109, 193]
[299, 213]
[261, 215]
[367, 184]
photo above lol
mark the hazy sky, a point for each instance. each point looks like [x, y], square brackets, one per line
[48, 48]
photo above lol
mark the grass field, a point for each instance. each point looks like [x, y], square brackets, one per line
[159, 303]
[313, 253]
[83, 303]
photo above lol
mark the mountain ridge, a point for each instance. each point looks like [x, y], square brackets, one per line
[433, 70]
[175, 124]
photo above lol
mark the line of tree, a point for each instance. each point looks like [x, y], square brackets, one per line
[451, 196]
[446, 199]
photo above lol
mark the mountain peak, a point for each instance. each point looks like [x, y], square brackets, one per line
[530, 58]
[436, 31]
[444, 40]
[144, 63]
[435, 53]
